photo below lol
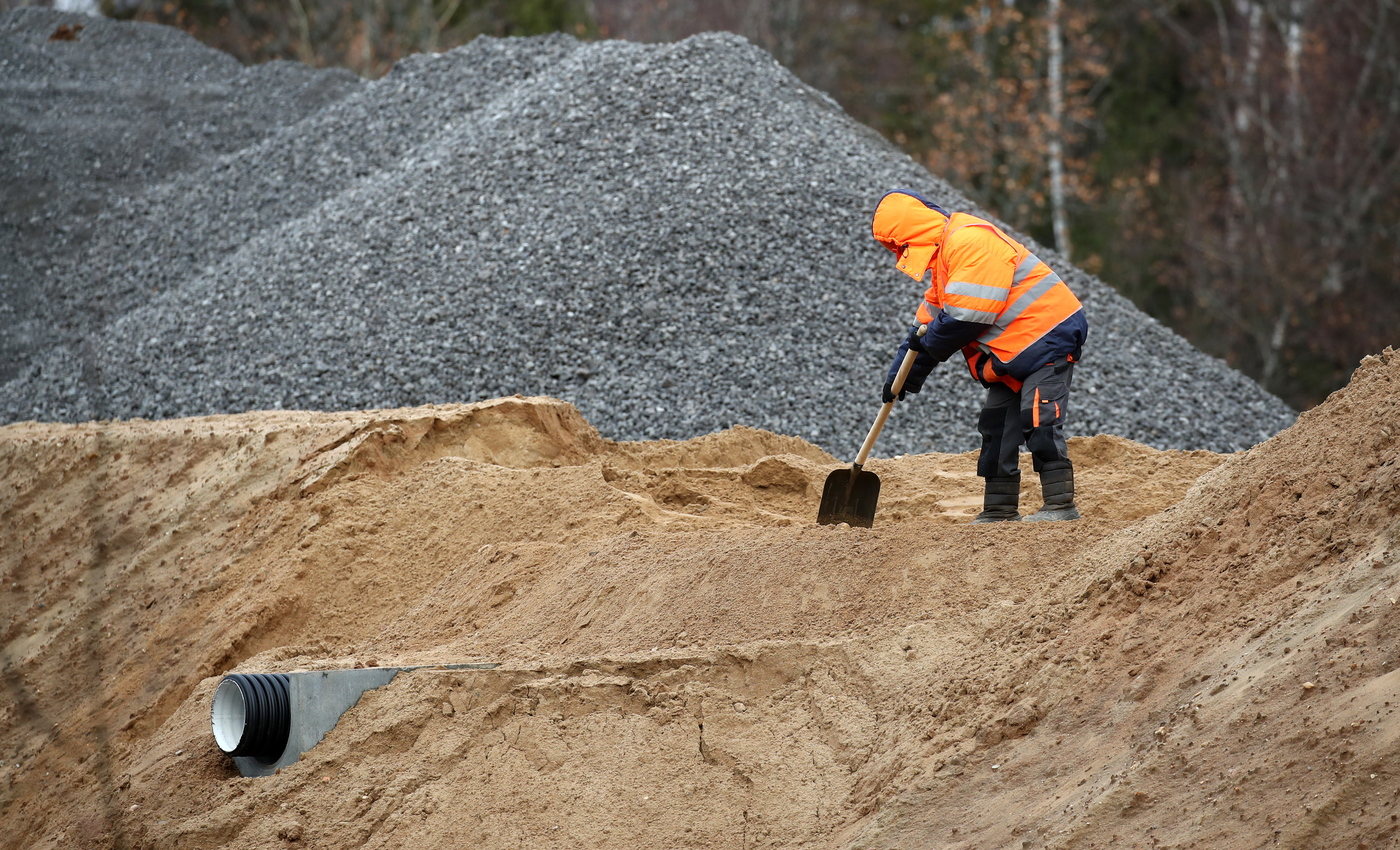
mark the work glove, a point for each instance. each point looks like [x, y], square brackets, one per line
[887, 393]
[914, 342]
[923, 365]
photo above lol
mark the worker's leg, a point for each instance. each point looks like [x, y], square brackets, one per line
[1044, 408]
[1000, 427]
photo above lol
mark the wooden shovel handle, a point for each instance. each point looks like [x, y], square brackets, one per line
[909, 357]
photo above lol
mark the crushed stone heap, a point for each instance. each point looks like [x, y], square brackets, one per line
[92, 114]
[673, 237]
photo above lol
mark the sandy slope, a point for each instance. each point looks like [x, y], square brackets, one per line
[687, 659]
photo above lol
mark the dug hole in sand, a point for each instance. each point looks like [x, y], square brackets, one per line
[687, 660]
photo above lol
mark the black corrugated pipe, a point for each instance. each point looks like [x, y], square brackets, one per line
[252, 715]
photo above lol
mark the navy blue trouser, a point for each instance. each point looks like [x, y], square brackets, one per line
[1034, 416]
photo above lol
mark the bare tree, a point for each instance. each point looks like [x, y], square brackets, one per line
[1304, 99]
[831, 44]
[367, 36]
[1055, 82]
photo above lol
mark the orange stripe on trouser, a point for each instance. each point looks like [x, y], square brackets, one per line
[988, 375]
[1035, 411]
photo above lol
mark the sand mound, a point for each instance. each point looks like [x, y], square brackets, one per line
[686, 659]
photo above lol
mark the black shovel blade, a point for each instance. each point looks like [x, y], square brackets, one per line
[849, 499]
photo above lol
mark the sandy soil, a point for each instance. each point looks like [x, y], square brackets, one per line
[687, 660]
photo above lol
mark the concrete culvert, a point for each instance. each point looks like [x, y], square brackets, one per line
[265, 721]
[252, 715]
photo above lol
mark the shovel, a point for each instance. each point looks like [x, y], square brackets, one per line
[850, 494]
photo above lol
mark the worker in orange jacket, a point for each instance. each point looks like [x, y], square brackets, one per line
[1018, 325]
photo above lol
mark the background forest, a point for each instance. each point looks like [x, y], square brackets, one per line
[1230, 165]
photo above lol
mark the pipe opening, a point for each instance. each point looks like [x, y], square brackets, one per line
[252, 715]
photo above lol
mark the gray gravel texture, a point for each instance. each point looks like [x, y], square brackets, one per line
[86, 125]
[673, 237]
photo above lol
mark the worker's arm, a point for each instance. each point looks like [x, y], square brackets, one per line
[937, 347]
[946, 336]
[918, 373]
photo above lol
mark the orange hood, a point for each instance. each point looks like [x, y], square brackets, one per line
[912, 228]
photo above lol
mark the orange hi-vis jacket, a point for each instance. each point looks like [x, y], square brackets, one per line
[1023, 314]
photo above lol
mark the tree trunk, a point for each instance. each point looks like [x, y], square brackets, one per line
[1056, 136]
[305, 52]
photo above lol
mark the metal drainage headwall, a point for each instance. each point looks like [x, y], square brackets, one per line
[265, 721]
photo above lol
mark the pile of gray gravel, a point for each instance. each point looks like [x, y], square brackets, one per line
[673, 237]
[87, 125]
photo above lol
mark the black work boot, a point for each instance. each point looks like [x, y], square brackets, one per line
[999, 503]
[1057, 486]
